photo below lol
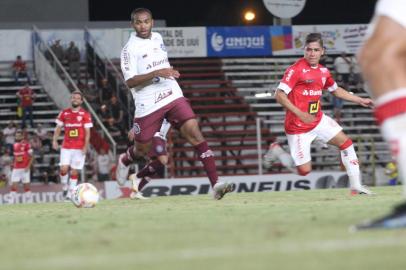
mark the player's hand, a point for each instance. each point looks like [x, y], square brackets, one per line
[55, 145]
[307, 117]
[366, 102]
[167, 73]
[131, 134]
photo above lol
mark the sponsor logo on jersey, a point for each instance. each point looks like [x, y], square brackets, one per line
[323, 80]
[162, 95]
[163, 47]
[136, 128]
[79, 118]
[290, 73]
[307, 92]
[309, 81]
[73, 125]
[305, 70]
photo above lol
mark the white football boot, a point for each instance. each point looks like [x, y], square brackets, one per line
[121, 171]
[221, 188]
[272, 156]
[135, 193]
[362, 190]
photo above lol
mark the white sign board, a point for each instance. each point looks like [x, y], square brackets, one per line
[252, 183]
[179, 41]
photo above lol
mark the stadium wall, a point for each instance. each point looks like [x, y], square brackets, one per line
[199, 41]
[193, 186]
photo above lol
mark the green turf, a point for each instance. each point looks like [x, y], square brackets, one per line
[277, 230]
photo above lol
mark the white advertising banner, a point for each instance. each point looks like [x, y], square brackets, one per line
[190, 186]
[180, 41]
[41, 193]
[252, 183]
[337, 38]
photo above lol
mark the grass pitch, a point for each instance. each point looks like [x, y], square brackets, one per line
[277, 230]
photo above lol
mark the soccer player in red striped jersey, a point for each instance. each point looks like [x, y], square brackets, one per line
[382, 60]
[76, 122]
[21, 167]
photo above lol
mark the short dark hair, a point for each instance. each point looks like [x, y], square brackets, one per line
[314, 37]
[139, 10]
[76, 92]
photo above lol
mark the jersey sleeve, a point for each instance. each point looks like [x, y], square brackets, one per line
[88, 121]
[128, 63]
[289, 80]
[59, 120]
[28, 149]
[330, 84]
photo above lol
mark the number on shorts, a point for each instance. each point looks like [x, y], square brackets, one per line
[73, 133]
[314, 107]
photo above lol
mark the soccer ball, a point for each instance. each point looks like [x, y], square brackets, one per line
[85, 195]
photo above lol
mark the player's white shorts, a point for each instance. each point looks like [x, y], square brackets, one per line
[299, 144]
[72, 157]
[22, 175]
[395, 9]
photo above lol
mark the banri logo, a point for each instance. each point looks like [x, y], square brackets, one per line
[217, 42]
[312, 92]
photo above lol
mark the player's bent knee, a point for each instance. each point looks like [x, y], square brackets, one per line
[163, 160]
[303, 171]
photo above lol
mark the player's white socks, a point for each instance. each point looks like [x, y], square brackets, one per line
[64, 181]
[390, 112]
[73, 182]
[394, 131]
[351, 164]
[13, 197]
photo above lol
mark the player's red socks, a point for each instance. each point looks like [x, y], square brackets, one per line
[142, 183]
[206, 156]
[129, 156]
[152, 168]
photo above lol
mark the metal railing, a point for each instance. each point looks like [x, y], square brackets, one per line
[101, 67]
[40, 45]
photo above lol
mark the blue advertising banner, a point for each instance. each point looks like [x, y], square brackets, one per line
[238, 41]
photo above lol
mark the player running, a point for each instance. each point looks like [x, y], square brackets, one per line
[299, 93]
[76, 123]
[157, 95]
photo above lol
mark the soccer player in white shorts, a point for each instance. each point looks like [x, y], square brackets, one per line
[299, 92]
[383, 64]
[76, 122]
[23, 158]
